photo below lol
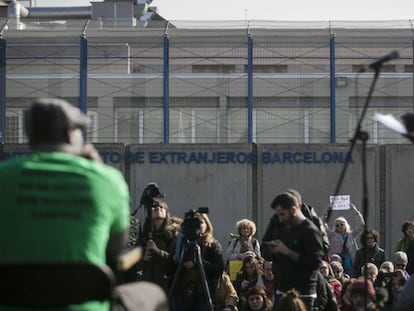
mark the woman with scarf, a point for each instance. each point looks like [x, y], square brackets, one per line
[342, 237]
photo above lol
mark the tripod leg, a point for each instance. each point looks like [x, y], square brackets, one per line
[174, 283]
[200, 267]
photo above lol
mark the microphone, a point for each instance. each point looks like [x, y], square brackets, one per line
[390, 56]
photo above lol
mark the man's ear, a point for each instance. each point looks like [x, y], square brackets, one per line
[68, 135]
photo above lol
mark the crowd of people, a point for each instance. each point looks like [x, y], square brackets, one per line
[300, 263]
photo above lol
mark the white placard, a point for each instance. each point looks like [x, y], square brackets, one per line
[340, 202]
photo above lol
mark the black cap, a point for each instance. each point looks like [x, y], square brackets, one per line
[47, 120]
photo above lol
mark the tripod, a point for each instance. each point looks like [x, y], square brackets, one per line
[194, 247]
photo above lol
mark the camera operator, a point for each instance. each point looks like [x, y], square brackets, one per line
[157, 241]
[189, 292]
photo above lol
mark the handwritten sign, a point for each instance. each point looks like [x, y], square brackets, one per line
[340, 202]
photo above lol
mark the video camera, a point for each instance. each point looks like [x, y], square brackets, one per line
[191, 224]
[150, 195]
[150, 198]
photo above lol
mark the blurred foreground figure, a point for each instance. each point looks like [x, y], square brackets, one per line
[61, 203]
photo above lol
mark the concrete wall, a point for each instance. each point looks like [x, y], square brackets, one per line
[399, 195]
[317, 178]
[237, 190]
[223, 186]
[240, 180]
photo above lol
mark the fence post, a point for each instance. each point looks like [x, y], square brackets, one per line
[166, 87]
[83, 73]
[3, 47]
[249, 88]
[332, 88]
[2, 91]
[412, 55]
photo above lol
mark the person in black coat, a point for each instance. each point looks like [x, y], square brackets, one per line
[157, 241]
[296, 250]
[370, 250]
[188, 292]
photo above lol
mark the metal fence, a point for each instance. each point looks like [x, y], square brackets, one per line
[209, 82]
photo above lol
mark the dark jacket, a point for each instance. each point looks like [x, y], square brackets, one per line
[240, 277]
[375, 255]
[186, 281]
[160, 269]
[410, 255]
[310, 213]
[275, 229]
[306, 240]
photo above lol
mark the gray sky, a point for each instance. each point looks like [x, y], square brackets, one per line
[294, 10]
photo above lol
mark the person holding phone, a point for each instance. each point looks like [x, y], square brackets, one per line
[248, 277]
[297, 254]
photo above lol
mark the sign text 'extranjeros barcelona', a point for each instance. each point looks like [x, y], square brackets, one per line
[227, 157]
[214, 157]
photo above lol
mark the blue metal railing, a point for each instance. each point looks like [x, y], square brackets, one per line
[332, 89]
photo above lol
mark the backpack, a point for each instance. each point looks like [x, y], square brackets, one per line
[227, 265]
[254, 241]
[309, 212]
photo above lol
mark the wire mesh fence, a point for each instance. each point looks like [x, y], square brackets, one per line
[213, 82]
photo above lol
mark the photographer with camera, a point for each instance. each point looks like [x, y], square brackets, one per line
[200, 264]
[158, 240]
